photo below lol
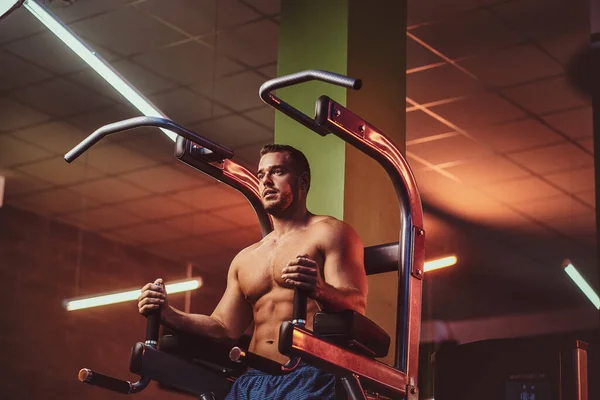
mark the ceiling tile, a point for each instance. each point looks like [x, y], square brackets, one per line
[192, 16]
[213, 195]
[115, 159]
[110, 190]
[149, 233]
[478, 111]
[540, 20]
[560, 157]
[60, 98]
[464, 202]
[267, 7]
[419, 12]
[253, 44]
[17, 72]
[487, 170]
[230, 13]
[242, 216]
[573, 181]
[48, 51]
[186, 63]
[576, 226]
[239, 91]
[88, 122]
[150, 142]
[440, 83]
[14, 152]
[564, 44]
[418, 56]
[20, 23]
[511, 66]
[199, 223]
[467, 34]
[107, 217]
[574, 123]
[148, 33]
[58, 137]
[454, 148]
[144, 80]
[269, 71]
[239, 239]
[517, 135]
[18, 183]
[57, 201]
[521, 190]
[265, 116]
[57, 171]
[587, 144]
[558, 207]
[589, 196]
[420, 124]
[184, 106]
[162, 179]
[15, 115]
[249, 155]
[69, 11]
[90, 79]
[233, 131]
[546, 96]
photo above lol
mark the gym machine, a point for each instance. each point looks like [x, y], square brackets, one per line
[345, 343]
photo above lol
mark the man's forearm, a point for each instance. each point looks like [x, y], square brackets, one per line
[196, 324]
[334, 299]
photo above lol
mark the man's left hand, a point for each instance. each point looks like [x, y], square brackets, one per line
[304, 273]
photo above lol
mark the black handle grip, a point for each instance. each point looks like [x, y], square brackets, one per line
[104, 381]
[137, 122]
[153, 327]
[300, 77]
[299, 313]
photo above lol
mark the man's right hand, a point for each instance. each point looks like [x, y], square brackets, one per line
[153, 296]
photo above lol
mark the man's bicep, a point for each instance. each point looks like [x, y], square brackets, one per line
[344, 260]
[233, 310]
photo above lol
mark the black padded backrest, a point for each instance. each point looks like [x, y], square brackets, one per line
[382, 258]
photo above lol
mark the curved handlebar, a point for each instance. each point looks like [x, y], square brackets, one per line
[137, 122]
[90, 377]
[305, 76]
[301, 77]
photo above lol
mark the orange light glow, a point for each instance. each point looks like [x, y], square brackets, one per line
[440, 263]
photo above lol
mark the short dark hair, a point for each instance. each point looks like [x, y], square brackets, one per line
[299, 159]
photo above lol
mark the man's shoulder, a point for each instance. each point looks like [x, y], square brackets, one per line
[332, 227]
[244, 253]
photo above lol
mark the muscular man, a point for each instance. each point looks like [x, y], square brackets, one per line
[318, 254]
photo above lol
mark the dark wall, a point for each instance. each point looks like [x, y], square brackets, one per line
[43, 345]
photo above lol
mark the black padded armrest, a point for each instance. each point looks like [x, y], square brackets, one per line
[201, 350]
[353, 330]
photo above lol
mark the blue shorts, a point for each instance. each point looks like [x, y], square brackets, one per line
[304, 383]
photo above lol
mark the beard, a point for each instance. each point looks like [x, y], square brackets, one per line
[278, 207]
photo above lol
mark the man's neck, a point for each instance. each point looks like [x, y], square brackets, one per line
[293, 221]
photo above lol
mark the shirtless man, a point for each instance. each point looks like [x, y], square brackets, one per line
[318, 254]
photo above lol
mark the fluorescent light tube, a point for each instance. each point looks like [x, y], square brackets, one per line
[440, 263]
[581, 283]
[127, 295]
[96, 62]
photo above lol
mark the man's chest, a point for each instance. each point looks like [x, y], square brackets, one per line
[261, 271]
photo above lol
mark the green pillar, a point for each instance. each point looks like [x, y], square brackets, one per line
[314, 35]
[365, 40]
